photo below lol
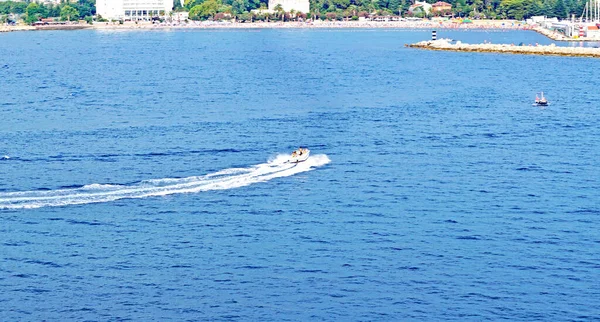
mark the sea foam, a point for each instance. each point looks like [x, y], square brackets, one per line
[221, 180]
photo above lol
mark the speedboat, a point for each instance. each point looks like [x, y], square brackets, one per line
[541, 101]
[299, 155]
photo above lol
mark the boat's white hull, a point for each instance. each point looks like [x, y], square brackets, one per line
[300, 158]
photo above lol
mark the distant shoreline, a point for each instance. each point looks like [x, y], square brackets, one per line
[499, 25]
[478, 24]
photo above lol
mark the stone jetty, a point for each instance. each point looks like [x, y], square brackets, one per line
[551, 50]
[552, 34]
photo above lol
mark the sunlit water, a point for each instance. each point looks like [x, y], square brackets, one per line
[142, 177]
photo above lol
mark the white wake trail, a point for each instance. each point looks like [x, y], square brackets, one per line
[221, 180]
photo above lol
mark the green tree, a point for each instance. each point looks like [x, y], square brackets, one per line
[560, 10]
[513, 9]
[189, 4]
[547, 9]
[478, 5]
[394, 6]
[69, 13]
[536, 8]
[280, 12]
[33, 13]
[238, 7]
[341, 4]
[206, 10]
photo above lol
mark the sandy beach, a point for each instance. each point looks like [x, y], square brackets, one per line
[480, 24]
[16, 28]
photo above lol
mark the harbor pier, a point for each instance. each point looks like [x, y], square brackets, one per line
[550, 50]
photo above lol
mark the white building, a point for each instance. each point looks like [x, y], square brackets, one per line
[133, 9]
[289, 5]
[420, 5]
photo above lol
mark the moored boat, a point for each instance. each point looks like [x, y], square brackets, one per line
[541, 101]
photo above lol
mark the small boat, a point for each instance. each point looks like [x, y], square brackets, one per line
[299, 155]
[541, 101]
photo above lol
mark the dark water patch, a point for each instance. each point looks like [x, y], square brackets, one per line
[484, 296]
[25, 275]
[491, 135]
[546, 242]
[586, 211]
[32, 290]
[530, 168]
[83, 222]
[252, 267]
[43, 263]
[537, 228]
[524, 267]
[310, 271]
[223, 280]
[17, 243]
[181, 266]
[70, 186]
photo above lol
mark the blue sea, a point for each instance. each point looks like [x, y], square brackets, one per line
[143, 177]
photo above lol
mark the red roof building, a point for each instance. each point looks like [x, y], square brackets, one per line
[441, 6]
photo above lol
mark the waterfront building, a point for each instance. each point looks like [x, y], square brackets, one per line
[441, 6]
[289, 5]
[133, 9]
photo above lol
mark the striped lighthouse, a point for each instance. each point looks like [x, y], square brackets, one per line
[581, 33]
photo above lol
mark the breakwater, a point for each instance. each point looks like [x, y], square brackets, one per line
[552, 34]
[551, 50]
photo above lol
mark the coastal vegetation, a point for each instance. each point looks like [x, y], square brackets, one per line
[490, 9]
[31, 12]
[353, 9]
[245, 10]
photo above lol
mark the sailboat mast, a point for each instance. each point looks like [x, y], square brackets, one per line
[587, 12]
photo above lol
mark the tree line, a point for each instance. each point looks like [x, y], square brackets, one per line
[33, 11]
[344, 9]
[319, 9]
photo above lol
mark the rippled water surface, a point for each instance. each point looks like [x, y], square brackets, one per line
[142, 178]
